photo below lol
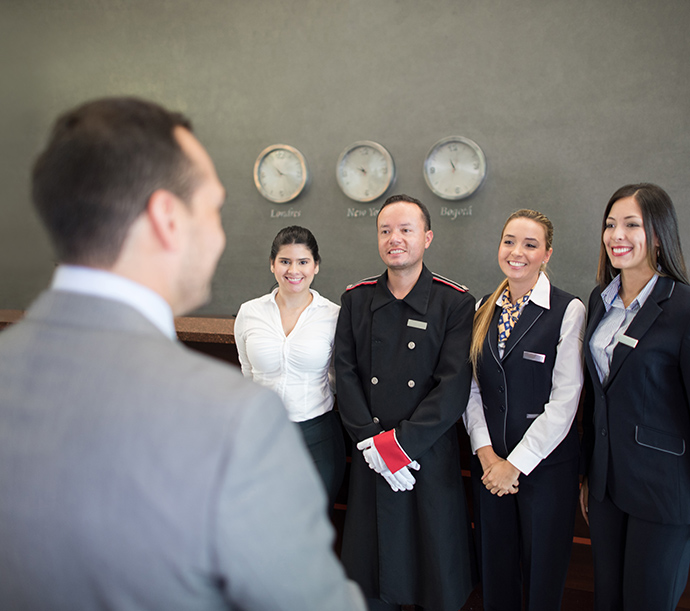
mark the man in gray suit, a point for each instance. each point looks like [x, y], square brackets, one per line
[134, 473]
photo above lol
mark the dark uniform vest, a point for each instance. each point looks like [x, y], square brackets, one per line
[516, 388]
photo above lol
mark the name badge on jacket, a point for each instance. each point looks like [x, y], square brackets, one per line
[628, 341]
[534, 356]
[417, 324]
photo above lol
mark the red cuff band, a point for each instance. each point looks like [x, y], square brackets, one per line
[391, 452]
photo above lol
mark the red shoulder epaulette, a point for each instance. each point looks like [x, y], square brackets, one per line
[458, 287]
[365, 281]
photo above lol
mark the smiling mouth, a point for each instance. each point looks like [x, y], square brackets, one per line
[621, 250]
[396, 251]
[516, 264]
[293, 280]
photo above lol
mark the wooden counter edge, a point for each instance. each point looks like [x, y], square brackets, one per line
[189, 328]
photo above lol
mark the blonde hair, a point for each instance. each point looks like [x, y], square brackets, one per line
[484, 315]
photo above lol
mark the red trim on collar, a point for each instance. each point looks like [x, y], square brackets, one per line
[362, 283]
[450, 284]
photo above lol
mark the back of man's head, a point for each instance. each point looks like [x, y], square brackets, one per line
[103, 161]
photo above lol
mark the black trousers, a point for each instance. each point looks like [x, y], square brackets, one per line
[524, 540]
[638, 565]
[324, 438]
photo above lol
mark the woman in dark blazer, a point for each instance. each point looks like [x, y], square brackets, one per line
[520, 417]
[636, 493]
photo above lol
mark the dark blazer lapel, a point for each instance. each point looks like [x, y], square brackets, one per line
[642, 322]
[596, 313]
[529, 316]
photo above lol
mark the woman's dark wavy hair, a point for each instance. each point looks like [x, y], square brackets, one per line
[295, 235]
[659, 218]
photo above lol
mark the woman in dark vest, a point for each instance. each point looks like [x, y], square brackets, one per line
[636, 422]
[527, 357]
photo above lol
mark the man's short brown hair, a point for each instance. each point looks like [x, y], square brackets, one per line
[102, 162]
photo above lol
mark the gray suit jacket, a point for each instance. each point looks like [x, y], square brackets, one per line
[136, 474]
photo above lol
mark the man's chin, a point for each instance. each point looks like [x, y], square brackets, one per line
[397, 264]
[187, 306]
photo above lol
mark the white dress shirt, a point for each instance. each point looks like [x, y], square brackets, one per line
[298, 366]
[100, 283]
[615, 323]
[551, 426]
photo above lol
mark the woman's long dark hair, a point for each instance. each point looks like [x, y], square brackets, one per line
[659, 218]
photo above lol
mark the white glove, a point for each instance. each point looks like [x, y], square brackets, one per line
[401, 480]
[398, 481]
[372, 456]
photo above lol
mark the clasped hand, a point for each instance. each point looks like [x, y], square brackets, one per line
[398, 481]
[500, 476]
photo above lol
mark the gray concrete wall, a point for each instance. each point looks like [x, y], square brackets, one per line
[569, 101]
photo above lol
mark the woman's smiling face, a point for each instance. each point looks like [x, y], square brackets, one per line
[625, 238]
[294, 268]
[522, 251]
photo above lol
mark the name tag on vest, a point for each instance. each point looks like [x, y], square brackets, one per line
[417, 324]
[534, 356]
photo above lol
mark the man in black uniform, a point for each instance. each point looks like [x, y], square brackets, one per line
[403, 380]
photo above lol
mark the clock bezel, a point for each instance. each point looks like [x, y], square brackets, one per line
[303, 163]
[390, 163]
[477, 150]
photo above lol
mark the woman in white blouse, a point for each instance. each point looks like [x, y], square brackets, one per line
[285, 341]
[527, 356]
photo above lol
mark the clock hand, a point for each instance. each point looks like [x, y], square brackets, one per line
[452, 164]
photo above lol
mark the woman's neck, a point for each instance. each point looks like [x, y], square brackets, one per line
[291, 307]
[519, 289]
[632, 282]
[293, 301]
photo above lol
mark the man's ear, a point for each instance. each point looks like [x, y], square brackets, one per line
[163, 211]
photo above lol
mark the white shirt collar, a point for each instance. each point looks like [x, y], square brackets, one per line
[317, 300]
[541, 292]
[100, 283]
[610, 294]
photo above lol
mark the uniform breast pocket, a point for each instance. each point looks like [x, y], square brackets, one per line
[536, 382]
[659, 440]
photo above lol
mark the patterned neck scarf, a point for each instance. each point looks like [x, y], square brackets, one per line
[509, 315]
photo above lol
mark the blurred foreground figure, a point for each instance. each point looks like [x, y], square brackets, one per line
[134, 473]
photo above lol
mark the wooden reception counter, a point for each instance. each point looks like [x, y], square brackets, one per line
[213, 336]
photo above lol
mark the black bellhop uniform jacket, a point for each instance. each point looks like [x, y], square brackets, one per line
[403, 364]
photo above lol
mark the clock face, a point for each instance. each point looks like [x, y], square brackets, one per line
[280, 173]
[365, 171]
[455, 167]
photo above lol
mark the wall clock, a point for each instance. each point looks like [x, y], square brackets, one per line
[455, 167]
[280, 173]
[365, 171]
